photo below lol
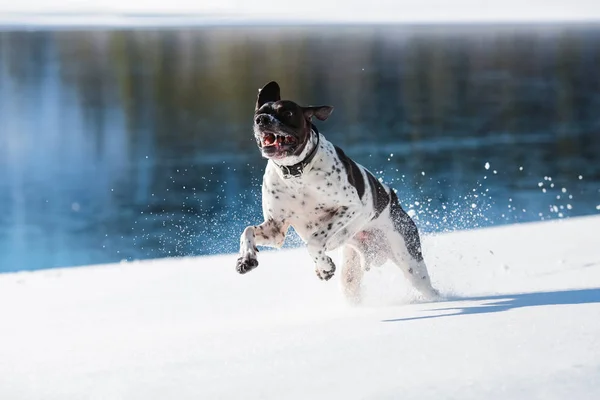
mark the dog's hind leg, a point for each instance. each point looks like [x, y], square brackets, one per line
[405, 250]
[352, 273]
[270, 233]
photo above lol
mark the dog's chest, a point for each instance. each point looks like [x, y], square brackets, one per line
[308, 201]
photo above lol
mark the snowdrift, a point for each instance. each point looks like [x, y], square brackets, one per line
[62, 13]
[520, 320]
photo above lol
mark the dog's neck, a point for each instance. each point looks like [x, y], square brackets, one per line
[296, 165]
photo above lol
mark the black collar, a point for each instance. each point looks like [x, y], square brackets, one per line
[296, 170]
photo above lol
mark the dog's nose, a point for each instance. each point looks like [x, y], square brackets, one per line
[261, 119]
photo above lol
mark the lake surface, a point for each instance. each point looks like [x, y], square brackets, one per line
[135, 144]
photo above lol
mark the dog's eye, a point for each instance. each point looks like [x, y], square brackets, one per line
[288, 114]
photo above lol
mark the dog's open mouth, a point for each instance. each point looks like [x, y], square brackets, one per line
[276, 146]
[278, 141]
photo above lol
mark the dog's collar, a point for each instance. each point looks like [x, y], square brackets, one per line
[296, 170]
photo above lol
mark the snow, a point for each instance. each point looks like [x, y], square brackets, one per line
[520, 320]
[113, 12]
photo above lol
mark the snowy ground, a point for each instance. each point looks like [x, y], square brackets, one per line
[158, 12]
[521, 321]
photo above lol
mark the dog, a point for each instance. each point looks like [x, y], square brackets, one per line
[330, 201]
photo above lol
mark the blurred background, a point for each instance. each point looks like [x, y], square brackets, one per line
[126, 144]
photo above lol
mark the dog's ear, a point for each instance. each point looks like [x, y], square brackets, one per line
[321, 112]
[269, 92]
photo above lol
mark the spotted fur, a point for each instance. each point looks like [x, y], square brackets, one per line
[334, 202]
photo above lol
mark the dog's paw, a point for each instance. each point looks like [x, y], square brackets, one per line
[326, 274]
[245, 264]
[435, 295]
[431, 295]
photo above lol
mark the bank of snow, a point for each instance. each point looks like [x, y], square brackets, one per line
[178, 12]
[521, 321]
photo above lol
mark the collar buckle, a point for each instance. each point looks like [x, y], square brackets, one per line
[292, 172]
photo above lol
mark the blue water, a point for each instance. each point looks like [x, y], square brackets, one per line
[135, 144]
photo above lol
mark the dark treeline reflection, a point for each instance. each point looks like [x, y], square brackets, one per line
[133, 144]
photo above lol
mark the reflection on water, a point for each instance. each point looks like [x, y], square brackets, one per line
[138, 144]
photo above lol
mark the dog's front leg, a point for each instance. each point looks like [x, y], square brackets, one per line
[330, 235]
[270, 233]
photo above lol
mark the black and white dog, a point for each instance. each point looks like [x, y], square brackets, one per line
[330, 200]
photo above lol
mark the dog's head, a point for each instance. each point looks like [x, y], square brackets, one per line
[282, 128]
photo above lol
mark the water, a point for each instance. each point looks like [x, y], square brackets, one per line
[134, 144]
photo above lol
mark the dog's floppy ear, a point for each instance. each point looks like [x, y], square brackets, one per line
[269, 92]
[321, 112]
